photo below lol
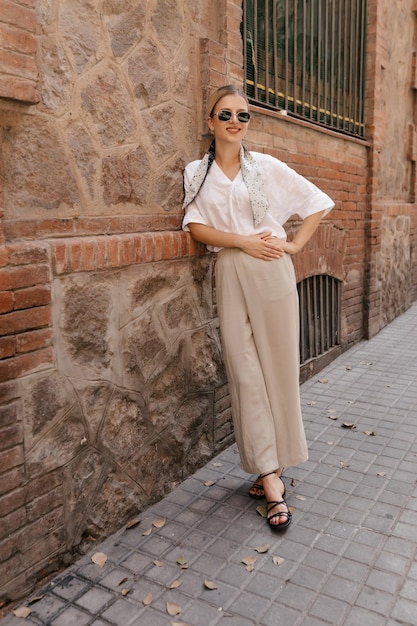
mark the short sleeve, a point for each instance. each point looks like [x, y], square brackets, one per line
[192, 213]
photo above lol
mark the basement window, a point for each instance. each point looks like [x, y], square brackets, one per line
[320, 305]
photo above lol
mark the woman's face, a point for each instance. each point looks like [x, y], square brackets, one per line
[233, 130]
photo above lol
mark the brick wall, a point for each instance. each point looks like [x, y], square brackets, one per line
[18, 67]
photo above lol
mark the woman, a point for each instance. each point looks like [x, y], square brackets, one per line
[236, 202]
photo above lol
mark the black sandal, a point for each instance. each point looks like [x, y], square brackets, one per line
[271, 504]
[257, 496]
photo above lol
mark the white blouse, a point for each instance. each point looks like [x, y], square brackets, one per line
[224, 204]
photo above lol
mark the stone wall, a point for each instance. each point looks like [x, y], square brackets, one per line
[391, 216]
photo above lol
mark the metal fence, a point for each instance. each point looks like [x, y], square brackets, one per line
[308, 57]
[320, 304]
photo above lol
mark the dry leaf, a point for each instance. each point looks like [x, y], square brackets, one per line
[175, 584]
[125, 591]
[261, 509]
[371, 433]
[99, 558]
[182, 562]
[348, 367]
[23, 611]
[263, 548]
[158, 563]
[381, 474]
[209, 584]
[344, 464]
[35, 599]
[178, 624]
[158, 523]
[123, 581]
[330, 443]
[249, 568]
[209, 483]
[147, 532]
[300, 498]
[323, 380]
[350, 425]
[249, 560]
[133, 522]
[278, 560]
[311, 402]
[173, 608]
[332, 417]
[217, 464]
[294, 482]
[147, 599]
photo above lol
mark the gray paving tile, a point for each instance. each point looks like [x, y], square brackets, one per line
[71, 616]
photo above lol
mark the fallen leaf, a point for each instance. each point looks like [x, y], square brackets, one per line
[175, 584]
[147, 599]
[323, 380]
[350, 425]
[178, 624]
[330, 443]
[209, 483]
[300, 498]
[371, 433]
[158, 563]
[261, 509]
[123, 581]
[125, 591]
[249, 560]
[132, 523]
[35, 599]
[294, 482]
[209, 584]
[249, 568]
[173, 608]
[311, 402]
[182, 562]
[217, 464]
[99, 558]
[332, 417]
[158, 523]
[278, 560]
[348, 367]
[381, 474]
[263, 548]
[344, 464]
[147, 532]
[23, 611]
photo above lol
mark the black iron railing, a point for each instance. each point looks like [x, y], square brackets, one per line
[320, 304]
[307, 57]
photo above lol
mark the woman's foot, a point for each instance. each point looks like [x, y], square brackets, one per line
[257, 490]
[278, 515]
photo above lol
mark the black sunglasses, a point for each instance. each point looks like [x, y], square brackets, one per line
[225, 116]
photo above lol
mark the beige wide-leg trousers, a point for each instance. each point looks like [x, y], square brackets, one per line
[258, 312]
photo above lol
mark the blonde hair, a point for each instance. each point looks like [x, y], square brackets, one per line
[227, 90]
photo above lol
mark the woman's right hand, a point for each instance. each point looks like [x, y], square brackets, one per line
[262, 246]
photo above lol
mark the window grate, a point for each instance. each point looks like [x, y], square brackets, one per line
[320, 304]
[308, 58]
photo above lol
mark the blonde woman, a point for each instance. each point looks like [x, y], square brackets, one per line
[236, 202]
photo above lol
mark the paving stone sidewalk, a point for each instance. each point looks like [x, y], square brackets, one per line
[349, 558]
